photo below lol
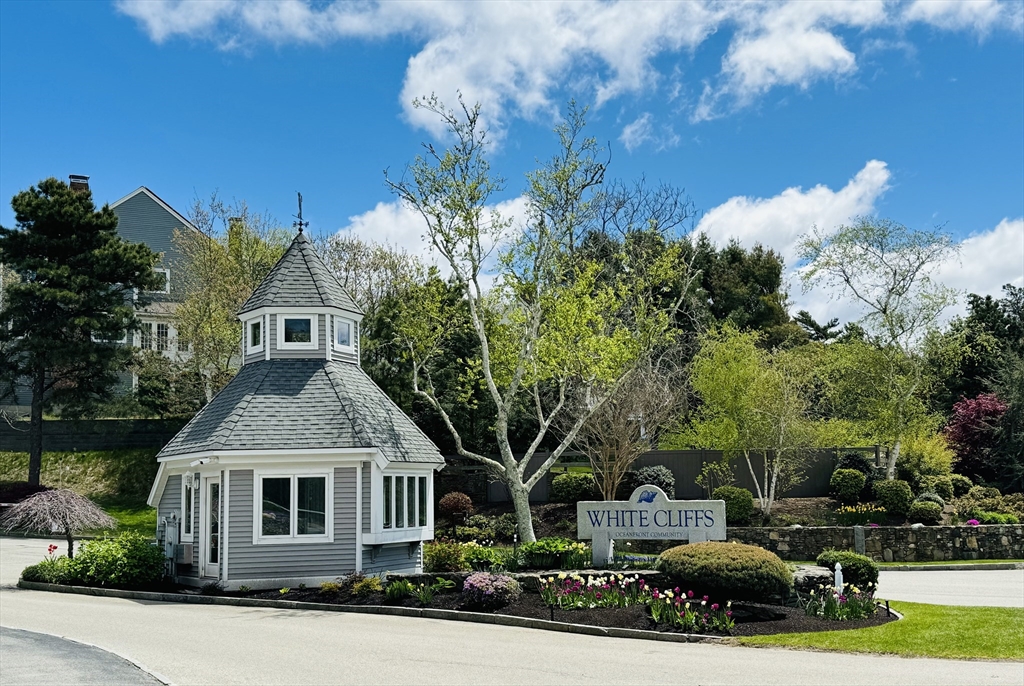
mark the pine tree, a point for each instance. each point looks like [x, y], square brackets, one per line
[78, 289]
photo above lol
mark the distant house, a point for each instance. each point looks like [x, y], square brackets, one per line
[301, 469]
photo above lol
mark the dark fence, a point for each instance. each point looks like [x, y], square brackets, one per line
[92, 434]
[685, 465]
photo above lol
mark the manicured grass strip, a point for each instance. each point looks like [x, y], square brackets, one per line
[992, 633]
[130, 515]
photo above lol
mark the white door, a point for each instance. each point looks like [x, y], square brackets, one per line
[211, 526]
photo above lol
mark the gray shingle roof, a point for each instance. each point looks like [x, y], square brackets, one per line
[295, 404]
[300, 279]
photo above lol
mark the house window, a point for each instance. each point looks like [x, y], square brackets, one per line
[296, 332]
[187, 507]
[294, 507]
[146, 336]
[404, 501]
[166, 287]
[342, 333]
[255, 336]
[162, 332]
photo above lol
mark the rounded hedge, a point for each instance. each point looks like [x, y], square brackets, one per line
[931, 497]
[739, 504]
[858, 570]
[856, 461]
[846, 485]
[656, 475]
[727, 570]
[573, 487]
[894, 496]
[939, 485]
[961, 485]
[925, 512]
[129, 561]
[455, 503]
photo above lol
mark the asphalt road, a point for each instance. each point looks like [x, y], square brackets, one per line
[994, 587]
[195, 644]
[37, 659]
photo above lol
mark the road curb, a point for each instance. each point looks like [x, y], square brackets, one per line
[995, 566]
[426, 613]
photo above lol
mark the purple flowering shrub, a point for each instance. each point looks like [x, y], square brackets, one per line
[490, 591]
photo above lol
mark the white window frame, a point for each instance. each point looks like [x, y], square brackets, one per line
[188, 483]
[351, 347]
[167, 280]
[418, 528]
[314, 334]
[252, 349]
[293, 538]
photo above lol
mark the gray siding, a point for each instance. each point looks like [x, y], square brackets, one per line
[394, 557]
[346, 356]
[254, 357]
[142, 220]
[248, 561]
[367, 468]
[321, 347]
[170, 501]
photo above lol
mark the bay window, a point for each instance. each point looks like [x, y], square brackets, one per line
[405, 501]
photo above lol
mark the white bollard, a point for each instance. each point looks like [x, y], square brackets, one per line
[839, 578]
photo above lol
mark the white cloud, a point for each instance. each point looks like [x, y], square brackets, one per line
[779, 221]
[987, 261]
[641, 131]
[515, 57]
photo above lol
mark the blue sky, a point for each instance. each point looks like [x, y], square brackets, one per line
[774, 117]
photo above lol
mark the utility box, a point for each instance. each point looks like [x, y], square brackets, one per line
[183, 553]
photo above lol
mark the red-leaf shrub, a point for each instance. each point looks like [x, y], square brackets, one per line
[971, 432]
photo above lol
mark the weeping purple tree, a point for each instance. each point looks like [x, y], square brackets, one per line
[57, 511]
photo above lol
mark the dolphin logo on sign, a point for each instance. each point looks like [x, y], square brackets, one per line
[646, 497]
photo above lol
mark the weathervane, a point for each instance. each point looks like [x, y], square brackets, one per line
[300, 224]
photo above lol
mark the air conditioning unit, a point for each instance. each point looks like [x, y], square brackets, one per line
[183, 553]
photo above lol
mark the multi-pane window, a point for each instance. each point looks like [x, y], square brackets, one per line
[162, 336]
[146, 336]
[404, 502]
[293, 506]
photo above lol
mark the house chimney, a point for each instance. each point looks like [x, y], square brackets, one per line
[79, 182]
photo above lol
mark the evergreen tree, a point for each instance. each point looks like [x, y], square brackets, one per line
[61, 322]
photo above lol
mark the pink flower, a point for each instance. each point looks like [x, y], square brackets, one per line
[973, 522]
[728, 613]
[689, 594]
[714, 606]
[705, 599]
[873, 525]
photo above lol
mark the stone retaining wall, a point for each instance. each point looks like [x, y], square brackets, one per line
[889, 543]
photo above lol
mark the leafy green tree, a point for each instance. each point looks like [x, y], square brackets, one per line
[225, 259]
[79, 288]
[549, 331]
[885, 268]
[815, 331]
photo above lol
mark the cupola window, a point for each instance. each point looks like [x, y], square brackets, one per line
[296, 332]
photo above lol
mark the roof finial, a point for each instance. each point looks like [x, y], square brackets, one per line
[300, 224]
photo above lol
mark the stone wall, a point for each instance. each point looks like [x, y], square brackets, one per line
[890, 543]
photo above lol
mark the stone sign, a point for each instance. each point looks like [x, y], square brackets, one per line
[648, 514]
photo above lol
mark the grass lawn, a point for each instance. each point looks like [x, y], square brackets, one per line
[992, 633]
[130, 515]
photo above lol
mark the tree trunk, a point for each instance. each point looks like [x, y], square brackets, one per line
[71, 544]
[521, 499]
[894, 454]
[35, 428]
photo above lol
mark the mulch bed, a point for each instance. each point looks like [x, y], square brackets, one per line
[752, 619]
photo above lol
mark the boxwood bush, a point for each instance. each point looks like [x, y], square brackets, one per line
[727, 570]
[656, 475]
[846, 485]
[894, 496]
[573, 487]
[858, 570]
[925, 512]
[931, 497]
[961, 485]
[739, 504]
[940, 485]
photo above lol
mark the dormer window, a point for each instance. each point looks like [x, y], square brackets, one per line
[342, 334]
[255, 336]
[296, 332]
[166, 286]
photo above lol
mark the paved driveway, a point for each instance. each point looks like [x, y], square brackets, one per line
[995, 587]
[34, 659]
[195, 644]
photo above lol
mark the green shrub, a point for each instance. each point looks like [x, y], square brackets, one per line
[455, 503]
[129, 561]
[924, 456]
[727, 570]
[573, 487]
[329, 588]
[961, 485]
[478, 557]
[846, 485]
[858, 570]
[894, 496]
[925, 512]
[858, 461]
[930, 497]
[366, 585]
[980, 499]
[996, 518]
[983, 492]
[739, 504]
[656, 475]
[505, 526]
[444, 556]
[53, 570]
[940, 485]
[398, 589]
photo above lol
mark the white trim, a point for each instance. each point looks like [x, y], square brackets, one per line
[314, 333]
[284, 309]
[359, 517]
[266, 329]
[351, 347]
[293, 474]
[399, 536]
[167, 280]
[204, 526]
[251, 349]
[191, 535]
[288, 455]
[158, 201]
[159, 482]
[225, 487]
[395, 534]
